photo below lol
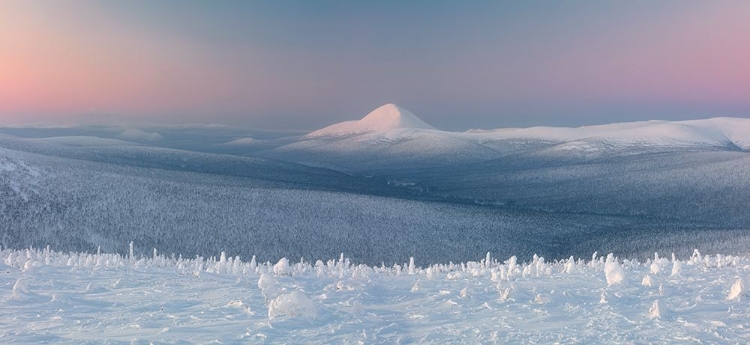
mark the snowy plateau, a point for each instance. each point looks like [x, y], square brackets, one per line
[212, 234]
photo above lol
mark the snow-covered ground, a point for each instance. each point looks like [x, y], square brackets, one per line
[47, 296]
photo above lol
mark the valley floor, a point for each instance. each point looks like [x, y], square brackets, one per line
[47, 296]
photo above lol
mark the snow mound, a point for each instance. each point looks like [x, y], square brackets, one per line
[736, 290]
[20, 290]
[659, 311]
[282, 267]
[294, 304]
[613, 271]
[676, 268]
[134, 134]
[267, 286]
[385, 118]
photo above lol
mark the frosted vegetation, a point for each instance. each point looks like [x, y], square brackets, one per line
[80, 205]
[86, 297]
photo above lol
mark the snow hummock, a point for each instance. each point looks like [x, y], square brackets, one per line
[385, 118]
[736, 290]
[659, 311]
[282, 267]
[613, 271]
[20, 289]
[294, 304]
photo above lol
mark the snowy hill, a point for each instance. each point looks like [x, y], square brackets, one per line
[388, 136]
[385, 118]
[715, 133]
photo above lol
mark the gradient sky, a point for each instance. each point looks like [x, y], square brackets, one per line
[307, 64]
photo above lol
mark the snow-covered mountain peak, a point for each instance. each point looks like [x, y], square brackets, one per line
[391, 116]
[385, 118]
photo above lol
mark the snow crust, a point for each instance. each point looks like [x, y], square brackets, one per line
[71, 298]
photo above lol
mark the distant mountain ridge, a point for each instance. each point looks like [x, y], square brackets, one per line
[394, 121]
[393, 135]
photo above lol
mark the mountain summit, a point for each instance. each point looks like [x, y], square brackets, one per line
[382, 119]
[391, 116]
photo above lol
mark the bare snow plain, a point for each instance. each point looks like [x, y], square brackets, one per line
[74, 298]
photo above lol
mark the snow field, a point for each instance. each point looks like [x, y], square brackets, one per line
[47, 296]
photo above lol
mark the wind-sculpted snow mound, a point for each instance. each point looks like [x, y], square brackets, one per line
[80, 298]
[293, 304]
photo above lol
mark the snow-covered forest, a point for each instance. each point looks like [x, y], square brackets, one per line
[638, 193]
[154, 239]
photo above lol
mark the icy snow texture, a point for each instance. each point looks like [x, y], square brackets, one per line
[72, 298]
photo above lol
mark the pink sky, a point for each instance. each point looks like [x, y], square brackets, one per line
[60, 61]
